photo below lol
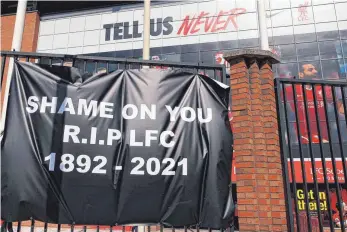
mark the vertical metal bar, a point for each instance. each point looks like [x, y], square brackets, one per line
[3, 63]
[45, 227]
[73, 62]
[59, 227]
[97, 229]
[6, 91]
[32, 227]
[284, 156]
[19, 26]
[313, 163]
[291, 161]
[146, 30]
[10, 227]
[62, 62]
[185, 229]
[110, 228]
[148, 229]
[96, 67]
[326, 181]
[84, 66]
[72, 227]
[19, 226]
[224, 75]
[107, 67]
[333, 158]
[343, 89]
[338, 122]
[84, 228]
[27, 59]
[50, 62]
[39, 60]
[302, 161]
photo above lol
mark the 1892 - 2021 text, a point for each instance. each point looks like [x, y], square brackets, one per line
[96, 165]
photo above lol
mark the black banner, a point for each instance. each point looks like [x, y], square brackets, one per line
[134, 146]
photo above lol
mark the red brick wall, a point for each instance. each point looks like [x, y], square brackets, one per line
[30, 36]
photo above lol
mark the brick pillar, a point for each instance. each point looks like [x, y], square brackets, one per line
[30, 37]
[260, 191]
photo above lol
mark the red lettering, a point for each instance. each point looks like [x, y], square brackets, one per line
[208, 25]
[198, 22]
[185, 26]
[191, 26]
[232, 17]
[221, 13]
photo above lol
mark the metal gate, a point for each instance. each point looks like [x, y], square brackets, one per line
[96, 64]
[312, 117]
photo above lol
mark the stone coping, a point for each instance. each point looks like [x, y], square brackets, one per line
[250, 53]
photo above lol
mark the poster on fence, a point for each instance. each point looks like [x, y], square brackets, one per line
[315, 115]
[322, 199]
[132, 146]
[324, 202]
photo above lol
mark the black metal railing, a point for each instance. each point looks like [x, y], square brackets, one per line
[33, 226]
[312, 117]
[94, 64]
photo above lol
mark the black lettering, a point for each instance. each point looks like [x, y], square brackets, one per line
[159, 27]
[108, 31]
[136, 33]
[126, 34]
[168, 26]
[117, 31]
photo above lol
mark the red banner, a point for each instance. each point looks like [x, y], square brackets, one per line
[319, 171]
